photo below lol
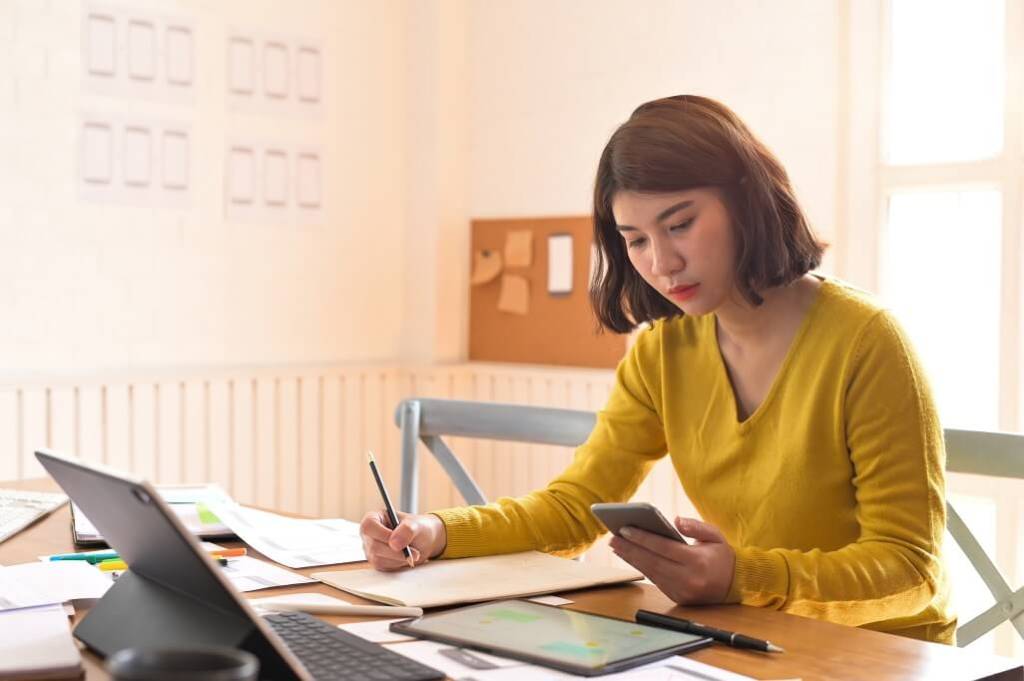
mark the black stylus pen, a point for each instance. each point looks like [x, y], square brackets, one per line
[687, 626]
[388, 507]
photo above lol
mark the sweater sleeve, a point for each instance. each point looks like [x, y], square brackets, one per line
[896, 448]
[628, 438]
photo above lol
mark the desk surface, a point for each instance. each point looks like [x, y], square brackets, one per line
[814, 649]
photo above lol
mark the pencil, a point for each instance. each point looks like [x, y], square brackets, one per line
[392, 516]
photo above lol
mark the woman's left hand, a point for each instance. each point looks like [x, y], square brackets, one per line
[697, 573]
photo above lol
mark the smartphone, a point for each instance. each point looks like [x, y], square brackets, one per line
[638, 514]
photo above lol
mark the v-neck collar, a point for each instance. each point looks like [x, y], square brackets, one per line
[723, 372]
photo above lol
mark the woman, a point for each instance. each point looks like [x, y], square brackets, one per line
[796, 414]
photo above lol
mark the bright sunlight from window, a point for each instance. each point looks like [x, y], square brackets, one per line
[941, 276]
[945, 89]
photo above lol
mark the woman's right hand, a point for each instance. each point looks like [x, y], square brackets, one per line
[424, 534]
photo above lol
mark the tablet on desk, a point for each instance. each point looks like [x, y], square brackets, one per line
[575, 642]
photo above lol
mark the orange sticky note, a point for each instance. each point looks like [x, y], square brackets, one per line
[519, 248]
[514, 296]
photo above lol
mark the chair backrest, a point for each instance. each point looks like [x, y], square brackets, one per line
[427, 420]
[997, 455]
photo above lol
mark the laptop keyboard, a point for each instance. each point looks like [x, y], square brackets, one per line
[332, 653]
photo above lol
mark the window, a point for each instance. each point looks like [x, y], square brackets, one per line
[934, 175]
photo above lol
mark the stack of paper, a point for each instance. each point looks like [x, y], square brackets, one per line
[297, 543]
[466, 580]
[32, 584]
[35, 643]
[191, 503]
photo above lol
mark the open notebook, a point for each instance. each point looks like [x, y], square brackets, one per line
[466, 580]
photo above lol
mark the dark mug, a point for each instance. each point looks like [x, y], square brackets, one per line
[181, 664]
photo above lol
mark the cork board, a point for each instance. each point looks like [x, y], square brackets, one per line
[557, 329]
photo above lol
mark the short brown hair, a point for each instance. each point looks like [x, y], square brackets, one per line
[687, 142]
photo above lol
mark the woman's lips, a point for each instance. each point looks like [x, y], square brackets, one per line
[682, 293]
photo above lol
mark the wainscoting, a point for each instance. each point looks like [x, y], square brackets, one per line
[293, 439]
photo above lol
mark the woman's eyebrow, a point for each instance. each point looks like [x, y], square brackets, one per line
[661, 216]
[672, 209]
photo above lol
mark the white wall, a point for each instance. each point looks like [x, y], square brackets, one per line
[551, 80]
[435, 112]
[89, 286]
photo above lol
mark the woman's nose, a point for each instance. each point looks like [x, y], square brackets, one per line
[665, 261]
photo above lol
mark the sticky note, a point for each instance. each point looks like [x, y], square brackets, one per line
[519, 248]
[514, 296]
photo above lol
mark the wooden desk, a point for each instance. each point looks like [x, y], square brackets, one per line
[814, 649]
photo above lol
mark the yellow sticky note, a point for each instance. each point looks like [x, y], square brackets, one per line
[514, 296]
[519, 248]
[486, 267]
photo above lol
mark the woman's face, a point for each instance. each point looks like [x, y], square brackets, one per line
[681, 243]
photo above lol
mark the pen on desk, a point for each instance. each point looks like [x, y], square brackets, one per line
[687, 626]
[101, 556]
[88, 557]
[392, 516]
[112, 564]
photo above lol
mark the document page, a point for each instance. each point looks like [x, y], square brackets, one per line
[295, 542]
[465, 580]
[31, 584]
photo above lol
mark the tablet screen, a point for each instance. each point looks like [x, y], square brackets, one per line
[562, 637]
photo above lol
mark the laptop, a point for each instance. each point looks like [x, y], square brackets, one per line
[175, 595]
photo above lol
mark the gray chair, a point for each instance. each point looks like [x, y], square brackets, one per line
[428, 420]
[998, 455]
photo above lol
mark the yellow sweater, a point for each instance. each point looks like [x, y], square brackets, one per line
[831, 492]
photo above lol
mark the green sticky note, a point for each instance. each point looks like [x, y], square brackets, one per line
[206, 517]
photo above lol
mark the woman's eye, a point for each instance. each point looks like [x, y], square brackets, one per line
[682, 225]
[636, 243]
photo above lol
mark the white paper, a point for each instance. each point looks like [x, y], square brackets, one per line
[560, 263]
[31, 584]
[300, 598]
[252, 574]
[679, 668]
[36, 639]
[376, 631]
[297, 543]
[557, 601]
